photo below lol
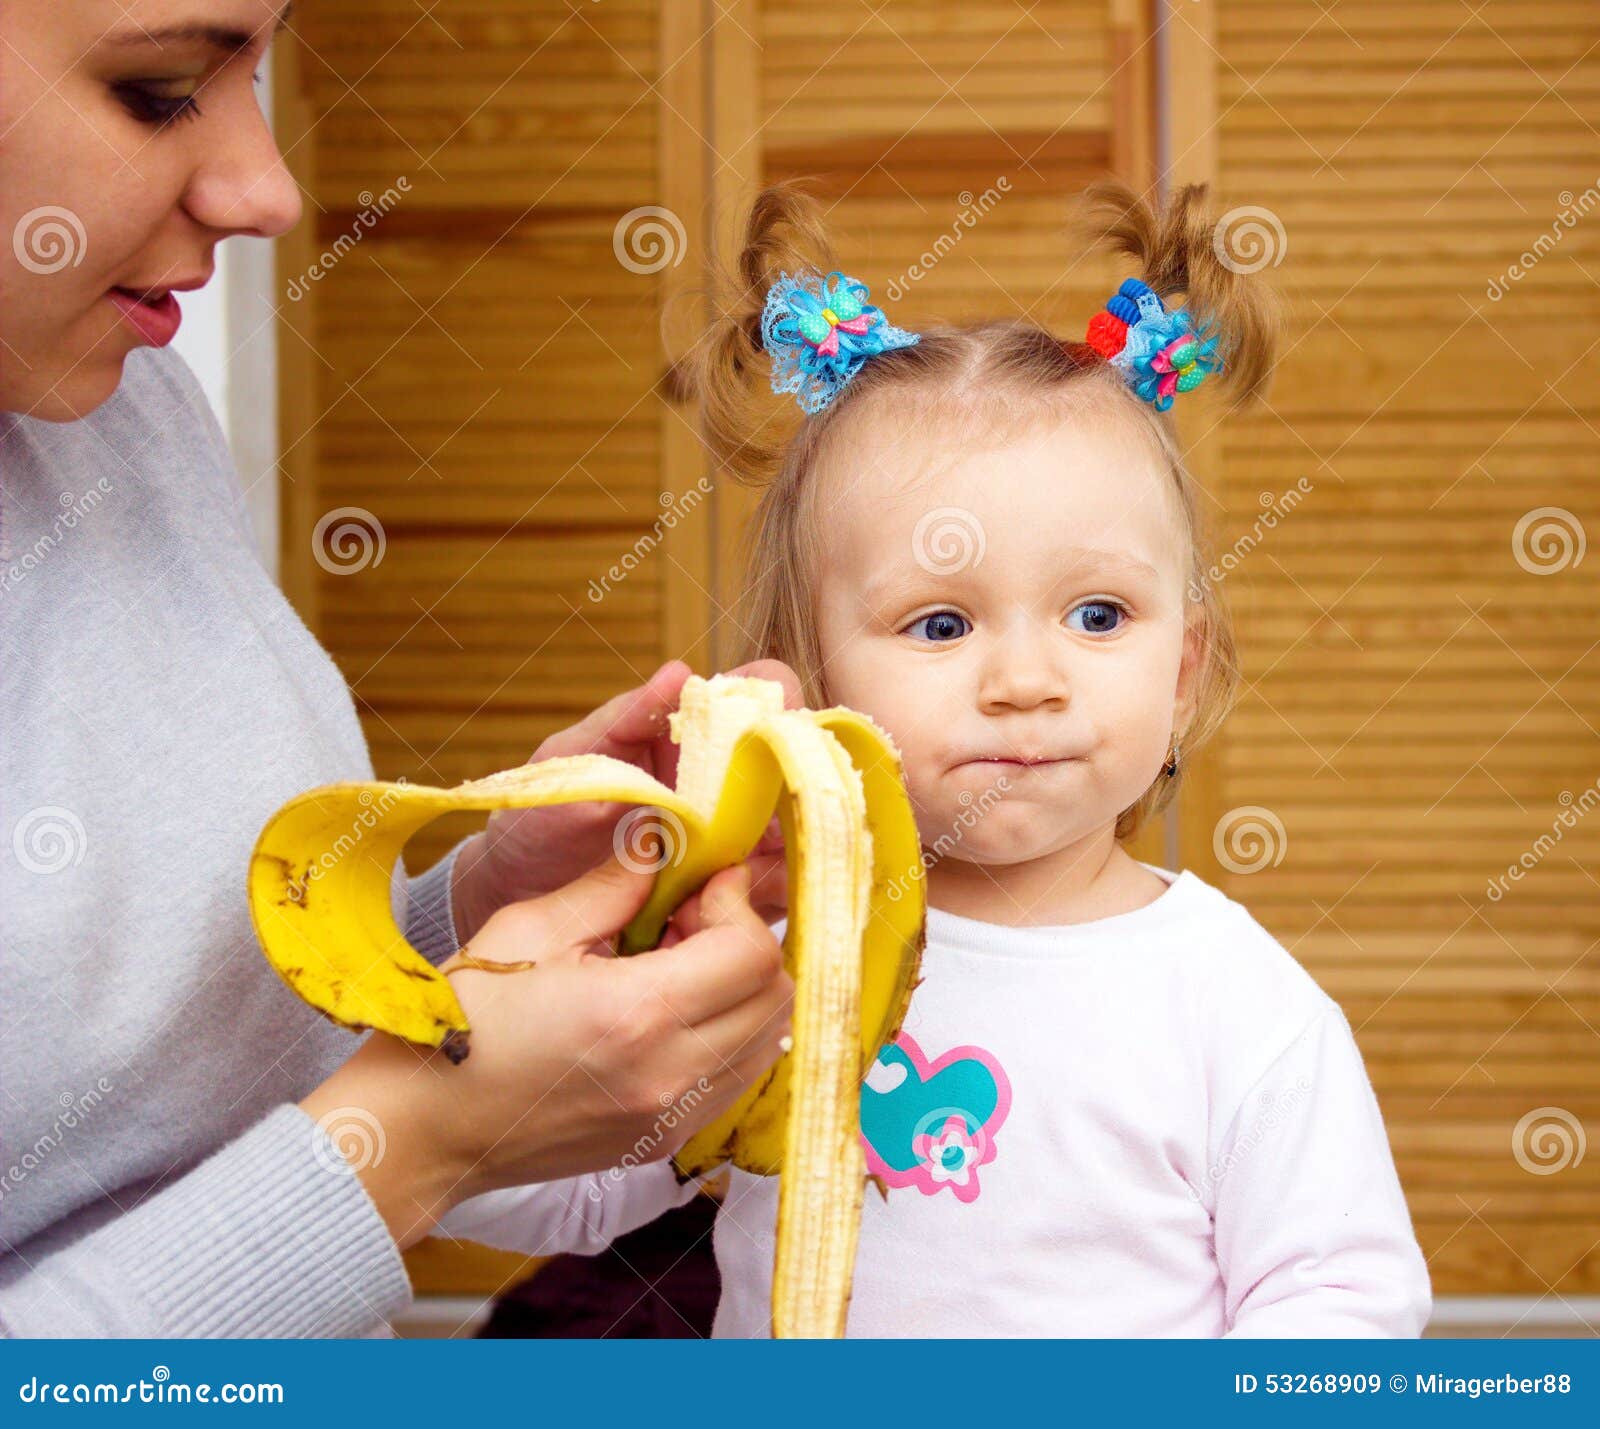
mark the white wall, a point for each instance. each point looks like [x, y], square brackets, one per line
[229, 338]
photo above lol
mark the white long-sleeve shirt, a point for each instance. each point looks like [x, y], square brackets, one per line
[1153, 1124]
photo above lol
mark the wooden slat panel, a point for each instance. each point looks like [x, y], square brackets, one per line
[936, 165]
[1422, 706]
[512, 102]
[849, 69]
[484, 367]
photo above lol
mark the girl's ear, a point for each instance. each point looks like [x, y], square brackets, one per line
[1186, 696]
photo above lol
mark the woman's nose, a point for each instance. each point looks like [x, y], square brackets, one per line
[243, 185]
[1025, 669]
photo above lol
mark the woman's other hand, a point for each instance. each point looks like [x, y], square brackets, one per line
[577, 1062]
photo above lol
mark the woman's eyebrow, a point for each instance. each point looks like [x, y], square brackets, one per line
[228, 39]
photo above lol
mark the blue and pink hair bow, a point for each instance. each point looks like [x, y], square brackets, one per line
[1159, 353]
[819, 332]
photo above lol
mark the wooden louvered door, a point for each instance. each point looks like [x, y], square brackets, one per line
[491, 519]
[1406, 531]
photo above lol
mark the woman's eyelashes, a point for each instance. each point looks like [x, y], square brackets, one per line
[159, 102]
[163, 101]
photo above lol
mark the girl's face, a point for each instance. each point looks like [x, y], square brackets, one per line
[131, 144]
[1014, 616]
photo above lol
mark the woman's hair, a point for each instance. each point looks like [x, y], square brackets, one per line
[992, 374]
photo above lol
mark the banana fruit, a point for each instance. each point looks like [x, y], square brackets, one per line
[319, 896]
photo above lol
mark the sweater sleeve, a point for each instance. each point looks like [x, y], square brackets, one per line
[580, 1216]
[272, 1235]
[1312, 1232]
[428, 917]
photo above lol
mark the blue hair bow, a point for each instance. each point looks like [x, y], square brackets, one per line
[1165, 352]
[819, 331]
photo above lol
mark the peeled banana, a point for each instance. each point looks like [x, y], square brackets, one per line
[320, 888]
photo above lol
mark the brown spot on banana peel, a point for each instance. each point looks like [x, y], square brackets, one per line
[294, 889]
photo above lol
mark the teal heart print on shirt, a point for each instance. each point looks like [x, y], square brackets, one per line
[932, 1125]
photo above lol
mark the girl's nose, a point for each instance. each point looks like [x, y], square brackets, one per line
[242, 184]
[1025, 669]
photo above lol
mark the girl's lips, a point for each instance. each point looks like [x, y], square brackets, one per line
[155, 321]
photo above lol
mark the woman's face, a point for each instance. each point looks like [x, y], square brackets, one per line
[131, 144]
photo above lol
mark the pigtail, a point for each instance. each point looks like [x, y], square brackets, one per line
[727, 374]
[1176, 249]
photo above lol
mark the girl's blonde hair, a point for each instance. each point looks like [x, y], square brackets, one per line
[990, 371]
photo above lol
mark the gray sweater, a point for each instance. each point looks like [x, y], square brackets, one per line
[160, 699]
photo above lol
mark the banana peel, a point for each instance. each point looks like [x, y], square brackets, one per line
[320, 899]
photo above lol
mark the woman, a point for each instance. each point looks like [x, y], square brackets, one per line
[173, 1119]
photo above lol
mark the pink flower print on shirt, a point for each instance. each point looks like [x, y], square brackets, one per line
[951, 1154]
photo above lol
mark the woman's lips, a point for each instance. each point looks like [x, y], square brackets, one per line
[156, 320]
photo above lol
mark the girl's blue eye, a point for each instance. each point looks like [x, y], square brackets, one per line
[1100, 617]
[940, 627]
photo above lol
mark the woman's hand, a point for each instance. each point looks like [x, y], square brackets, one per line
[577, 1062]
[524, 853]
